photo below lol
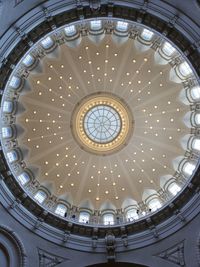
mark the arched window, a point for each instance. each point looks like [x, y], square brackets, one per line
[23, 178]
[196, 144]
[96, 25]
[40, 196]
[122, 26]
[188, 168]
[185, 69]
[168, 49]
[197, 118]
[15, 82]
[154, 204]
[7, 106]
[195, 93]
[61, 210]
[7, 132]
[146, 35]
[47, 43]
[173, 188]
[12, 156]
[132, 215]
[70, 30]
[108, 219]
[84, 217]
[28, 60]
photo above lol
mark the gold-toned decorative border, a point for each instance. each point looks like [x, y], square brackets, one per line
[82, 109]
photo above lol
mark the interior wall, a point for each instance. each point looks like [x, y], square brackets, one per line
[20, 245]
[180, 249]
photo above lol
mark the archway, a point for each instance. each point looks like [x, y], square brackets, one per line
[117, 264]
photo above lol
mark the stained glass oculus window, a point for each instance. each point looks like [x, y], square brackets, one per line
[102, 124]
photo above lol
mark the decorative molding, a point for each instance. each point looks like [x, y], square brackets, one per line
[198, 249]
[1, 6]
[47, 259]
[174, 254]
[13, 237]
[17, 2]
[52, 228]
[198, 3]
[15, 187]
[110, 246]
[95, 5]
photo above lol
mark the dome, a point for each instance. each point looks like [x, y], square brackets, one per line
[164, 179]
[99, 132]
[147, 193]
[107, 206]
[66, 197]
[129, 202]
[86, 204]
[49, 186]
[96, 119]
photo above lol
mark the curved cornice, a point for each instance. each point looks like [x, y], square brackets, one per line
[8, 232]
[15, 42]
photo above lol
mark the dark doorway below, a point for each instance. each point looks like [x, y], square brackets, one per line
[117, 264]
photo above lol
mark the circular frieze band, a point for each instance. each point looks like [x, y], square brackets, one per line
[184, 167]
[102, 123]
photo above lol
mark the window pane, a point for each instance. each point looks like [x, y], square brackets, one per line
[197, 118]
[122, 26]
[61, 210]
[174, 188]
[12, 156]
[15, 82]
[132, 215]
[96, 25]
[102, 124]
[147, 35]
[185, 69]
[28, 60]
[7, 106]
[168, 49]
[47, 43]
[108, 219]
[40, 196]
[196, 144]
[154, 204]
[188, 168]
[23, 178]
[195, 92]
[7, 132]
[84, 217]
[70, 30]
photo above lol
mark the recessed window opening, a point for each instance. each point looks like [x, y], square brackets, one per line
[185, 69]
[70, 30]
[47, 42]
[146, 35]
[96, 25]
[23, 178]
[84, 217]
[188, 168]
[108, 219]
[168, 49]
[122, 26]
[174, 188]
[154, 204]
[61, 210]
[40, 196]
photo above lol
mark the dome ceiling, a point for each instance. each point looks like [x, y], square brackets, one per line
[78, 72]
[134, 73]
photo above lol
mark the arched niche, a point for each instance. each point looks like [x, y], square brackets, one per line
[4, 256]
[12, 251]
[117, 264]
